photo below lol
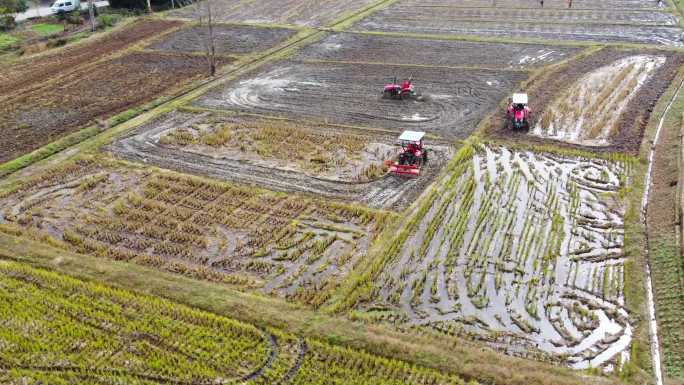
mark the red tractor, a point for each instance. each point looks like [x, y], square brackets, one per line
[518, 112]
[412, 155]
[402, 91]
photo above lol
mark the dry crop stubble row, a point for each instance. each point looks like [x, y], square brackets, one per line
[60, 330]
[474, 260]
[290, 245]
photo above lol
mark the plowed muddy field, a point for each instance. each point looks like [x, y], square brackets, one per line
[229, 39]
[310, 13]
[282, 243]
[454, 101]
[32, 119]
[602, 101]
[349, 47]
[584, 21]
[331, 161]
[522, 249]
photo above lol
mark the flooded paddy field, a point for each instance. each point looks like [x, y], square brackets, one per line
[521, 249]
[331, 161]
[352, 47]
[351, 94]
[286, 244]
[602, 101]
[584, 21]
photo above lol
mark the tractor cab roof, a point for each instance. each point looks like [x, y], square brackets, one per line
[412, 136]
[519, 99]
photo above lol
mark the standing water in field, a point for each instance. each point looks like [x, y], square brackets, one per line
[520, 248]
[589, 112]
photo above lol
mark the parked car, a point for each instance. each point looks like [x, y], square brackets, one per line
[62, 6]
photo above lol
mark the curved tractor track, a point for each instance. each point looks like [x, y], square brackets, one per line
[453, 103]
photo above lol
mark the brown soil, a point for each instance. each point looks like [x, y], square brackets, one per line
[31, 71]
[35, 118]
[230, 39]
[630, 128]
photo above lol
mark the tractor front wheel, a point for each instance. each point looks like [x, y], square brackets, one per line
[425, 156]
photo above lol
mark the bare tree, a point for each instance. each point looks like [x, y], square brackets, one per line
[91, 14]
[206, 22]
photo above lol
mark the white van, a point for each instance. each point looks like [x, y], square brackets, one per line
[61, 6]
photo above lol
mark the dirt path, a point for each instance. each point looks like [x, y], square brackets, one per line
[654, 213]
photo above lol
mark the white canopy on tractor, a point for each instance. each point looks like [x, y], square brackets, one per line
[412, 136]
[520, 99]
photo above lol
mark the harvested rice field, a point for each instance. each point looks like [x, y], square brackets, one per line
[331, 161]
[602, 101]
[350, 47]
[50, 323]
[230, 39]
[49, 96]
[622, 21]
[285, 244]
[523, 249]
[307, 13]
[351, 94]
[247, 227]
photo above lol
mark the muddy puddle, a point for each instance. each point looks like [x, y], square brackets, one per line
[525, 248]
[589, 112]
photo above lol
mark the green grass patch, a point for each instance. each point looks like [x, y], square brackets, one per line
[44, 29]
[6, 40]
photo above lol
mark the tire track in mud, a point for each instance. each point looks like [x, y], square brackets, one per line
[272, 355]
[294, 370]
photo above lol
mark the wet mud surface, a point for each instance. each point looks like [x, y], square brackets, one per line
[384, 191]
[455, 101]
[621, 23]
[310, 13]
[626, 132]
[589, 110]
[285, 244]
[524, 250]
[349, 47]
[229, 39]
